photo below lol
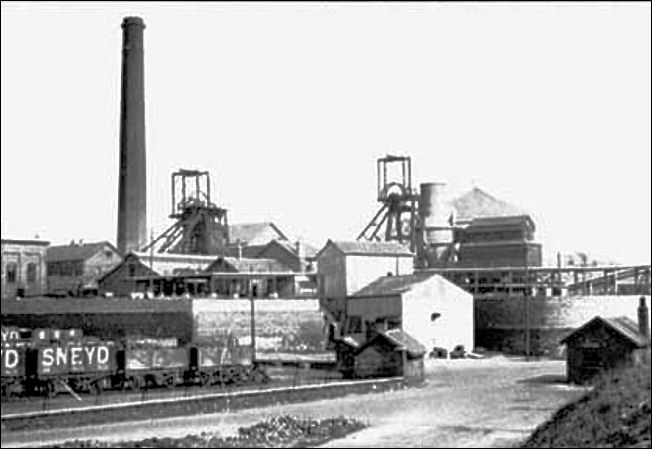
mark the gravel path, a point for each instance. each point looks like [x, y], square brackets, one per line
[494, 402]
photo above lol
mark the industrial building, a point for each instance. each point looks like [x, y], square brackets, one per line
[170, 275]
[387, 354]
[122, 279]
[604, 343]
[73, 270]
[346, 266]
[506, 241]
[23, 268]
[432, 310]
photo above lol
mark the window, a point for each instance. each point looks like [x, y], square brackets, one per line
[79, 268]
[355, 324]
[131, 268]
[11, 273]
[31, 272]
[53, 268]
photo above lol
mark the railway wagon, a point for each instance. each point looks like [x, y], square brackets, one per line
[87, 365]
[220, 364]
[13, 369]
[147, 367]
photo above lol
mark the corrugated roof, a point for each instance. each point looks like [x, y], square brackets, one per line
[370, 248]
[622, 324]
[477, 203]
[169, 264]
[393, 285]
[254, 233]
[63, 253]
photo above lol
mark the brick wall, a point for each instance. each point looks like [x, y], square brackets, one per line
[499, 322]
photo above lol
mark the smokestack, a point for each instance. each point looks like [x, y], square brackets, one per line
[643, 325]
[435, 212]
[132, 198]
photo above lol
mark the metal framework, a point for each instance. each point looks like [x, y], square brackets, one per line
[550, 281]
[201, 227]
[399, 204]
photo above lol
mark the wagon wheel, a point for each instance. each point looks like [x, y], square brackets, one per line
[170, 382]
[96, 387]
[135, 382]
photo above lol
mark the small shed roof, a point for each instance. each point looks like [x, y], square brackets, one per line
[393, 249]
[393, 285]
[401, 340]
[64, 253]
[622, 325]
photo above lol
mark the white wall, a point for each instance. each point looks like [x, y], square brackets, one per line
[455, 326]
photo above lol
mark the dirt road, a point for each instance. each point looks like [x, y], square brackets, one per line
[465, 403]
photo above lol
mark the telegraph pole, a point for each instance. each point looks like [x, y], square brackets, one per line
[151, 263]
[527, 312]
[253, 332]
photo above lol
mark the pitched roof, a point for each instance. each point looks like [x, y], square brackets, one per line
[168, 264]
[247, 251]
[369, 248]
[25, 242]
[477, 203]
[622, 324]
[63, 253]
[401, 340]
[251, 265]
[255, 233]
[309, 250]
[393, 285]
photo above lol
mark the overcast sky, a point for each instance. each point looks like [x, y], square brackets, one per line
[289, 106]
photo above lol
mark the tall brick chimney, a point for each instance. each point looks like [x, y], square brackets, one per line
[643, 314]
[132, 192]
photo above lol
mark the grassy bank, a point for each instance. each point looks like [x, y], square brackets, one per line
[616, 413]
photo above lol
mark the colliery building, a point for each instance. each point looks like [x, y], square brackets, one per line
[23, 268]
[73, 270]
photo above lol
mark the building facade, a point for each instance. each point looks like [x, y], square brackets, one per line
[23, 268]
[603, 344]
[434, 311]
[73, 270]
[346, 267]
[132, 274]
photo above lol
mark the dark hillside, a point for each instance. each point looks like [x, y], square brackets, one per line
[616, 413]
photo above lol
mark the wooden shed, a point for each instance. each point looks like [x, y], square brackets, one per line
[388, 354]
[602, 344]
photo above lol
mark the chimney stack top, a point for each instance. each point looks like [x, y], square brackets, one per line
[133, 20]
